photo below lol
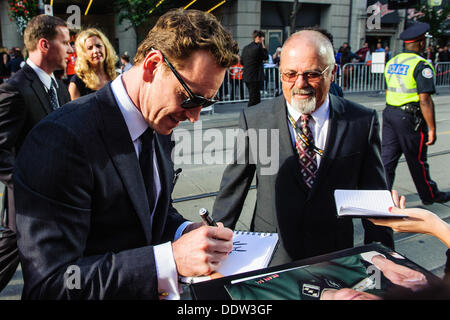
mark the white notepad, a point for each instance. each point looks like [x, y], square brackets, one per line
[364, 204]
[251, 251]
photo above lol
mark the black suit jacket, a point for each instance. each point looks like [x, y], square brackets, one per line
[306, 220]
[252, 58]
[86, 205]
[23, 103]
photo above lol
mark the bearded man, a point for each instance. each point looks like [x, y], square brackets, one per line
[325, 143]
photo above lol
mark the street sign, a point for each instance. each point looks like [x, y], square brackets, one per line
[377, 65]
[48, 9]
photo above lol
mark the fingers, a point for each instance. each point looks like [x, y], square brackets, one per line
[347, 294]
[201, 251]
[410, 212]
[402, 203]
[219, 232]
[395, 198]
[431, 140]
[398, 201]
[382, 222]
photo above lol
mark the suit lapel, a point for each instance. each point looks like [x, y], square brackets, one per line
[336, 132]
[120, 147]
[38, 88]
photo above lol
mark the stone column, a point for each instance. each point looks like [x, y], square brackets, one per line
[10, 36]
[358, 27]
[127, 38]
[242, 18]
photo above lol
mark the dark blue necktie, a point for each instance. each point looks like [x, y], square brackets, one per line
[146, 164]
[53, 95]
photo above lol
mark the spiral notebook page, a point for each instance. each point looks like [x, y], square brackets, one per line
[251, 251]
[364, 203]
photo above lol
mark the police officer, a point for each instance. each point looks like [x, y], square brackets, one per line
[409, 125]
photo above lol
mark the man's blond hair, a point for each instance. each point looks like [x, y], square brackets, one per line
[178, 33]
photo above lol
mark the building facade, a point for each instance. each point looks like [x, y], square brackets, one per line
[346, 20]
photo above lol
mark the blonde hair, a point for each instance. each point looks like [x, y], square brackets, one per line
[82, 66]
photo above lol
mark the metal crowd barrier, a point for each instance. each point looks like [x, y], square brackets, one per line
[358, 77]
[442, 74]
[352, 77]
[233, 88]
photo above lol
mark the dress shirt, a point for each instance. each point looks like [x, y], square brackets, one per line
[45, 78]
[165, 263]
[318, 124]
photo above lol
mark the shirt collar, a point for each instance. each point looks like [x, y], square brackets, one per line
[320, 115]
[133, 117]
[45, 78]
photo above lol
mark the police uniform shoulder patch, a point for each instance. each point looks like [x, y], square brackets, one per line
[427, 73]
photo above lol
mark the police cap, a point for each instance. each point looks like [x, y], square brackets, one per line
[415, 32]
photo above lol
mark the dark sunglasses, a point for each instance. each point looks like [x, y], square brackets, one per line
[194, 100]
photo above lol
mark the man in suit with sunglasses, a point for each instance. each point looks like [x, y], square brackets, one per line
[96, 219]
[325, 143]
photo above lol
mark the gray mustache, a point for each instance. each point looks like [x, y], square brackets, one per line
[302, 91]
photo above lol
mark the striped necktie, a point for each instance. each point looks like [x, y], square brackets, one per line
[307, 157]
[53, 95]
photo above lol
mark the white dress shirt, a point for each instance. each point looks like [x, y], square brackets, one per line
[318, 124]
[45, 78]
[165, 263]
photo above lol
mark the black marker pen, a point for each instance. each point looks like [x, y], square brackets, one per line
[207, 218]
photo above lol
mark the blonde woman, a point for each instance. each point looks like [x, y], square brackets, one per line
[95, 66]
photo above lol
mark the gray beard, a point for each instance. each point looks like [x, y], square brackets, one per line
[304, 106]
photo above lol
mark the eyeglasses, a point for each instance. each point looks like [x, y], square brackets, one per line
[309, 75]
[194, 100]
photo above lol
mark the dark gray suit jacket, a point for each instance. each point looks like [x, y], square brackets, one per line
[306, 220]
[82, 201]
[23, 103]
[253, 56]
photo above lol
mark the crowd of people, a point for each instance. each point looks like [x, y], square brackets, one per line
[10, 62]
[437, 54]
[101, 199]
[97, 62]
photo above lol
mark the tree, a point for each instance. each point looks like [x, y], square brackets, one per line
[435, 17]
[139, 13]
[293, 16]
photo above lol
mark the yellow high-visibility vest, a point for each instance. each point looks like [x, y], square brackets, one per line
[401, 87]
